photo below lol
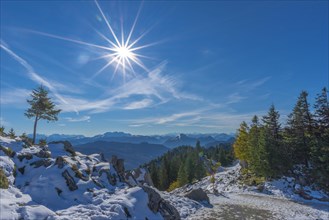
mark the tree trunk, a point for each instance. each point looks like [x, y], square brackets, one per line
[35, 129]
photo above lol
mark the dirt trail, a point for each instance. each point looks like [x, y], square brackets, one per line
[249, 206]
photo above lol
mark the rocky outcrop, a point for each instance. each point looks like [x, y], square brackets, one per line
[27, 156]
[118, 165]
[111, 178]
[43, 154]
[197, 195]
[141, 176]
[43, 162]
[157, 204]
[69, 181]
[60, 162]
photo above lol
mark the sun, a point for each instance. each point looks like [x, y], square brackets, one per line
[124, 53]
[121, 53]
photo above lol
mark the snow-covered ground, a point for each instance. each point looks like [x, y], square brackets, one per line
[53, 183]
[276, 201]
[92, 188]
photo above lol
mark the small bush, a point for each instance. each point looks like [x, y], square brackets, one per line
[9, 152]
[12, 134]
[4, 184]
[2, 131]
[42, 142]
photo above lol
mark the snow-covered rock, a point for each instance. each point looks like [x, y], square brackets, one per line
[56, 182]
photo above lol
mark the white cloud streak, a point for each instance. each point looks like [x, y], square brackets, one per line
[140, 92]
[139, 104]
[81, 119]
[14, 96]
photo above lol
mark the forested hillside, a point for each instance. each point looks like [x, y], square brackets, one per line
[271, 149]
[186, 164]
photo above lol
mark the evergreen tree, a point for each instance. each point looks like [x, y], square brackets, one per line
[320, 144]
[2, 131]
[41, 108]
[182, 176]
[253, 142]
[198, 146]
[300, 127]
[262, 167]
[190, 167]
[278, 156]
[154, 174]
[163, 177]
[321, 114]
[241, 144]
[11, 133]
[271, 121]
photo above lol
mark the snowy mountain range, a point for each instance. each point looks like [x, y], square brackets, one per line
[136, 149]
[168, 140]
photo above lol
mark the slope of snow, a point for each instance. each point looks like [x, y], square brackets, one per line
[39, 189]
[277, 201]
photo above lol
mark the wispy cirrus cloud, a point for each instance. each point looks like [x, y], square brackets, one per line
[234, 98]
[139, 104]
[14, 96]
[140, 92]
[249, 85]
[80, 119]
[200, 118]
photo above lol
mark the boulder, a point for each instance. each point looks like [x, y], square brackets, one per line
[111, 178]
[118, 165]
[27, 156]
[60, 162]
[39, 163]
[157, 204]
[103, 157]
[260, 187]
[43, 154]
[69, 181]
[243, 164]
[197, 195]
[141, 176]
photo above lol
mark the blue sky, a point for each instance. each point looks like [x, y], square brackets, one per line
[204, 66]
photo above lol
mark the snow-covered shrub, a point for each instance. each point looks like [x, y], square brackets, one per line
[4, 184]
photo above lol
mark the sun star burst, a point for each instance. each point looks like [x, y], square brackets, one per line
[122, 55]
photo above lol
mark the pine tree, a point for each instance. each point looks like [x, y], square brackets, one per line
[198, 146]
[263, 165]
[182, 176]
[41, 108]
[253, 142]
[321, 114]
[300, 127]
[154, 174]
[271, 121]
[320, 144]
[11, 133]
[278, 155]
[241, 144]
[2, 131]
[190, 167]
